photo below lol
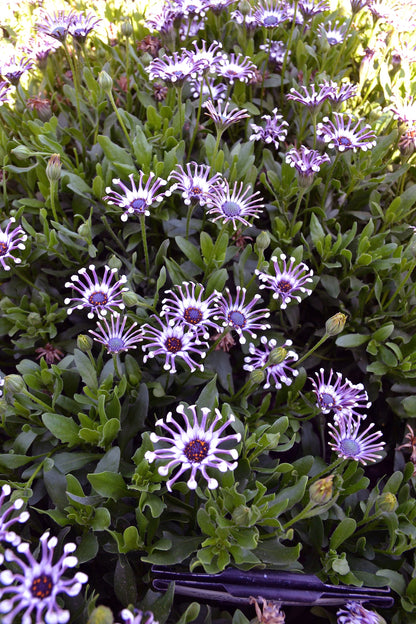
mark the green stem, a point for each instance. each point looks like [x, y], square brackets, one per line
[295, 212]
[318, 344]
[180, 110]
[400, 286]
[285, 59]
[217, 144]
[76, 88]
[214, 251]
[52, 194]
[300, 515]
[37, 470]
[188, 219]
[116, 368]
[120, 121]
[36, 400]
[198, 116]
[144, 240]
[328, 180]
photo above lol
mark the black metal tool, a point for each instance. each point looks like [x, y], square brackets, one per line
[235, 587]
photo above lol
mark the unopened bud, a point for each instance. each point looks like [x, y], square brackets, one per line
[386, 502]
[22, 152]
[84, 343]
[105, 81]
[245, 7]
[101, 615]
[115, 263]
[130, 299]
[257, 376]
[53, 168]
[321, 491]
[263, 241]
[84, 230]
[335, 324]
[126, 29]
[241, 516]
[277, 355]
[14, 383]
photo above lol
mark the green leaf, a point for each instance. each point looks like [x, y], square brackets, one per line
[62, 427]
[115, 153]
[86, 369]
[343, 531]
[191, 251]
[209, 395]
[108, 484]
[125, 585]
[109, 432]
[10, 461]
[350, 341]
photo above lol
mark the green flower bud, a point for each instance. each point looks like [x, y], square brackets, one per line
[321, 491]
[14, 383]
[115, 263]
[53, 168]
[263, 241]
[242, 515]
[257, 376]
[22, 152]
[84, 343]
[386, 502]
[101, 615]
[130, 299]
[84, 230]
[277, 355]
[335, 324]
[126, 29]
[105, 81]
[245, 7]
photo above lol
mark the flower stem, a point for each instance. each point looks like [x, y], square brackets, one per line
[295, 212]
[144, 239]
[120, 121]
[318, 344]
[328, 180]
[52, 196]
[285, 59]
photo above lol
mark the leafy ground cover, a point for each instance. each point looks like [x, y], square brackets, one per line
[207, 303]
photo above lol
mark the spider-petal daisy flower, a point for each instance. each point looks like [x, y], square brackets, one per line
[138, 199]
[309, 8]
[222, 117]
[55, 25]
[343, 135]
[186, 307]
[210, 57]
[8, 517]
[13, 69]
[287, 280]
[357, 5]
[312, 99]
[116, 338]
[234, 312]
[234, 205]
[354, 613]
[81, 25]
[271, 14]
[341, 92]
[195, 447]
[196, 185]
[278, 373]
[333, 33]
[40, 48]
[4, 92]
[273, 131]
[175, 69]
[191, 8]
[138, 617]
[276, 51]
[9, 241]
[34, 589]
[405, 110]
[173, 342]
[219, 5]
[307, 163]
[212, 90]
[341, 398]
[350, 443]
[236, 67]
[162, 22]
[98, 295]
[247, 19]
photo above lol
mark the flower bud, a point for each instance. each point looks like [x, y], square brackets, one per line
[130, 299]
[105, 81]
[84, 343]
[115, 263]
[22, 152]
[84, 230]
[257, 376]
[386, 502]
[277, 356]
[335, 324]
[245, 7]
[241, 516]
[14, 383]
[101, 615]
[53, 168]
[126, 29]
[263, 241]
[321, 491]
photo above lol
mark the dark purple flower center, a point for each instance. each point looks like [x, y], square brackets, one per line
[58, 33]
[98, 299]
[271, 21]
[173, 345]
[237, 318]
[3, 249]
[196, 450]
[115, 344]
[332, 40]
[284, 286]
[327, 400]
[138, 204]
[231, 209]
[350, 447]
[42, 586]
[195, 190]
[345, 141]
[192, 315]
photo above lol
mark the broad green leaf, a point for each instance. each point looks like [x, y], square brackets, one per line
[62, 427]
[343, 531]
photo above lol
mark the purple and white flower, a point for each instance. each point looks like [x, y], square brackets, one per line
[342, 92]
[276, 51]
[310, 8]
[55, 25]
[115, 338]
[222, 117]
[313, 99]
[210, 57]
[9, 241]
[138, 199]
[13, 69]
[269, 14]
[195, 447]
[236, 67]
[138, 617]
[99, 296]
[81, 25]
[234, 205]
[219, 5]
[234, 312]
[307, 163]
[355, 613]
[162, 22]
[190, 8]
[280, 373]
[196, 186]
[274, 130]
[247, 19]
[8, 518]
[405, 110]
[333, 33]
[40, 47]
[343, 135]
[350, 443]
[34, 589]
[288, 280]
[186, 307]
[173, 342]
[341, 398]
[210, 90]
[175, 69]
